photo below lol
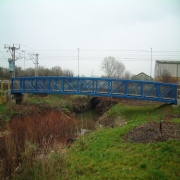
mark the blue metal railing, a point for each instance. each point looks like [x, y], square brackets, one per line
[119, 88]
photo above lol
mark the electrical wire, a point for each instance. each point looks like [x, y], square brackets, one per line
[3, 56]
[25, 46]
[98, 55]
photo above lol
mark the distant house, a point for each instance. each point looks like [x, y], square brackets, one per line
[172, 67]
[142, 77]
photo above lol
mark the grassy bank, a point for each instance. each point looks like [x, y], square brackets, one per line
[67, 103]
[3, 111]
[104, 154]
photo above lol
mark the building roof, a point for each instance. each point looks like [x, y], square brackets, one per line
[143, 74]
[167, 62]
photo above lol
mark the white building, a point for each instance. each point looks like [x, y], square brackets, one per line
[173, 67]
[142, 76]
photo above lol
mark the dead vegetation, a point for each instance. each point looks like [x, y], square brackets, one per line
[80, 104]
[32, 136]
[26, 109]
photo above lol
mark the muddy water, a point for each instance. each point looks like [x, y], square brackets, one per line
[88, 119]
[88, 115]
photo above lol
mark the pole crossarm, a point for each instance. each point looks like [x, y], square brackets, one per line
[12, 50]
[111, 87]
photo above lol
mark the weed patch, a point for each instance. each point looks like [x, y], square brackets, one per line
[29, 136]
[101, 154]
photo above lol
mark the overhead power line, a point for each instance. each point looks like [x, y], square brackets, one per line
[3, 56]
[26, 46]
[106, 50]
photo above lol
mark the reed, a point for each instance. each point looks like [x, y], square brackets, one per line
[34, 136]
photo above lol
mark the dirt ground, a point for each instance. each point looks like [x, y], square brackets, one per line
[150, 132]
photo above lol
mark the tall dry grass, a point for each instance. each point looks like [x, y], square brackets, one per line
[34, 136]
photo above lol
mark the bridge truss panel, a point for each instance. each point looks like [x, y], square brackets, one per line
[117, 88]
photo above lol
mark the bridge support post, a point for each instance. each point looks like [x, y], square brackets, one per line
[177, 105]
[20, 98]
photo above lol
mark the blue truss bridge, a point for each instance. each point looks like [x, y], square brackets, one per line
[111, 87]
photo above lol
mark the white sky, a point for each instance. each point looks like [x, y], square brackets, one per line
[125, 29]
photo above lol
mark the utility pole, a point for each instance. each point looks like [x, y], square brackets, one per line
[78, 62]
[24, 58]
[36, 65]
[151, 64]
[12, 50]
[35, 62]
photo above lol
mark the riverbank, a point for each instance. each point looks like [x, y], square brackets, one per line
[36, 146]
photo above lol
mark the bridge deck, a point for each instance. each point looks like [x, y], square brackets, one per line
[119, 88]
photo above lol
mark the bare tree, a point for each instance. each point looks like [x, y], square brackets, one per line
[112, 67]
[56, 71]
[4, 73]
[67, 72]
[30, 71]
[41, 71]
[18, 71]
[127, 75]
[166, 77]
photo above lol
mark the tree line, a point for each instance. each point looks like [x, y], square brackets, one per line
[42, 71]
[110, 66]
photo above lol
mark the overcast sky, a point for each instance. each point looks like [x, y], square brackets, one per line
[125, 29]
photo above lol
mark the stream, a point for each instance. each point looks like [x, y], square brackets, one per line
[88, 115]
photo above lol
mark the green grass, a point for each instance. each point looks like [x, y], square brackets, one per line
[2, 109]
[5, 114]
[144, 113]
[109, 158]
[2, 92]
[54, 101]
[104, 155]
[63, 101]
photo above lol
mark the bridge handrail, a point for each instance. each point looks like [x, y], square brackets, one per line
[95, 78]
[112, 87]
